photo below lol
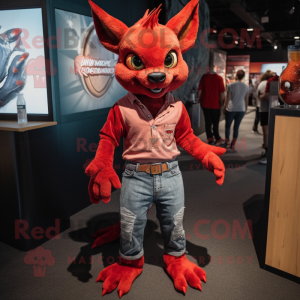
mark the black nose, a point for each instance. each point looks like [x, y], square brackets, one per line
[157, 77]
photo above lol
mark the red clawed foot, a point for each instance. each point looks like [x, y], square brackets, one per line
[183, 271]
[106, 235]
[121, 275]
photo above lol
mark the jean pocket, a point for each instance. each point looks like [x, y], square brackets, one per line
[128, 173]
[175, 171]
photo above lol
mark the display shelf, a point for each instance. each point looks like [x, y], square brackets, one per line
[15, 126]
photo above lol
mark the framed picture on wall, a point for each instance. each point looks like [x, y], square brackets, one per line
[86, 70]
[25, 67]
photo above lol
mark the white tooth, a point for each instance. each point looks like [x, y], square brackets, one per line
[43, 78]
[37, 77]
[156, 91]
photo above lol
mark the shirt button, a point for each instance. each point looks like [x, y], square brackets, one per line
[149, 116]
[153, 127]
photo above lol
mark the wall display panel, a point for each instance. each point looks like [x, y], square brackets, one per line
[23, 67]
[235, 63]
[219, 64]
[86, 69]
[275, 67]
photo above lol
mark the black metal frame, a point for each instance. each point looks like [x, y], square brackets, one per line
[275, 111]
[26, 4]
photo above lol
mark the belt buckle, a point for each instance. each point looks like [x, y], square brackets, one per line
[154, 167]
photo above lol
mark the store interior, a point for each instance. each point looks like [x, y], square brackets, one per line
[245, 233]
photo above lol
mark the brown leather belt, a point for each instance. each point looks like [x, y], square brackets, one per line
[153, 169]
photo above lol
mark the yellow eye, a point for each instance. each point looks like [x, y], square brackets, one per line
[171, 60]
[133, 62]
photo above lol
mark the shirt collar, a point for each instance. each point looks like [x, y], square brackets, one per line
[169, 98]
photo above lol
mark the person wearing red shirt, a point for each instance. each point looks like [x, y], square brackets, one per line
[210, 94]
[275, 78]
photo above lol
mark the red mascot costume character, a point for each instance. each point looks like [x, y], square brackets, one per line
[153, 123]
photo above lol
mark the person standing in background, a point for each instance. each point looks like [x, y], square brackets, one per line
[235, 107]
[257, 104]
[210, 95]
[250, 92]
[263, 91]
[265, 96]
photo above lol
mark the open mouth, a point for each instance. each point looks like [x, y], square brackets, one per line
[156, 90]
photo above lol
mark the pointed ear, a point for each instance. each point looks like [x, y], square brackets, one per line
[185, 25]
[110, 30]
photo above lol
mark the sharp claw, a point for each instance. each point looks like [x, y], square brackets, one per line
[184, 289]
[120, 294]
[104, 292]
[15, 32]
[199, 287]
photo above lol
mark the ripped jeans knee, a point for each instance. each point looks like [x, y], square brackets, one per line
[127, 222]
[178, 231]
[132, 234]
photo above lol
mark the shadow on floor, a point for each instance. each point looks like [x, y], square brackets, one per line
[253, 209]
[108, 254]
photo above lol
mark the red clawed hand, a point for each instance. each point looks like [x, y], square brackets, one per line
[216, 150]
[214, 164]
[100, 185]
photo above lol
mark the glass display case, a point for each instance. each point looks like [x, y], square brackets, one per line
[289, 81]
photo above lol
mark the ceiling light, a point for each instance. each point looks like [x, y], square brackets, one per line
[296, 37]
[249, 29]
[292, 11]
[275, 47]
[236, 42]
[214, 31]
[265, 19]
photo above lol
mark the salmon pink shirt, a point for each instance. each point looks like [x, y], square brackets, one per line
[147, 139]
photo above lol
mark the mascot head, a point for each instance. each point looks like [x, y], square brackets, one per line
[150, 54]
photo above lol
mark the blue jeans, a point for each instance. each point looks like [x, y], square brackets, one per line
[138, 191]
[237, 116]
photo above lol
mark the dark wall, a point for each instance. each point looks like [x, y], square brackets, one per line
[86, 126]
[45, 167]
[83, 128]
[42, 171]
[196, 58]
